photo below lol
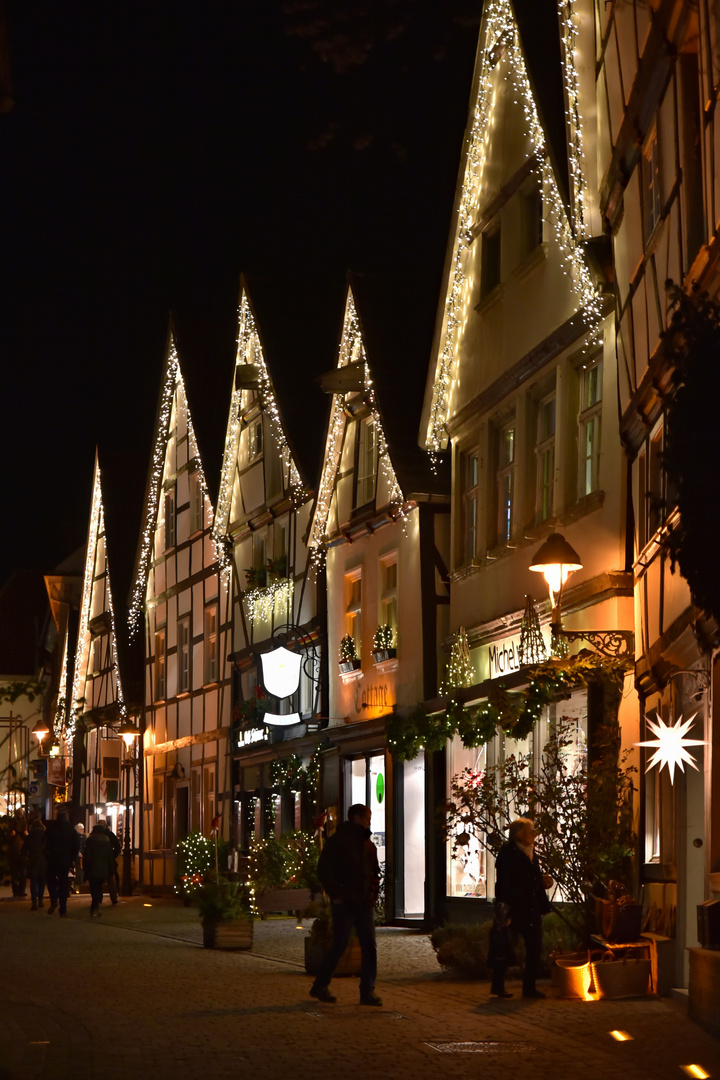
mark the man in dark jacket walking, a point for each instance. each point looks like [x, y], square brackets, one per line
[62, 844]
[349, 874]
[99, 864]
[521, 884]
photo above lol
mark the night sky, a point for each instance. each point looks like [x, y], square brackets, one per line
[156, 152]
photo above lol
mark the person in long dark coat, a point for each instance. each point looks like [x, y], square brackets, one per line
[349, 874]
[62, 844]
[521, 884]
[99, 862]
[34, 852]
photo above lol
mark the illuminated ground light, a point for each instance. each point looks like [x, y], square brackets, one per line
[620, 1036]
[695, 1070]
[147, 905]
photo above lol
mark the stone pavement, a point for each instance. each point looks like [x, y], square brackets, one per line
[134, 995]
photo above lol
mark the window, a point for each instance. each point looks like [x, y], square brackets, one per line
[590, 428]
[96, 651]
[367, 462]
[255, 439]
[545, 453]
[490, 260]
[531, 223]
[211, 644]
[197, 503]
[158, 811]
[651, 183]
[183, 656]
[160, 683]
[388, 595]
[469, 466]
[259, 563]
[353, 609]
[170, 536]
[208, 797]
[657, 497]
[505, 481]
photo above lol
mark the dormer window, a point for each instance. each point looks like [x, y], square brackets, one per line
[255, 439]
[366, 461]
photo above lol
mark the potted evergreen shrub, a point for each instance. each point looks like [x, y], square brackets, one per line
[349, 660]
[384, 644]
[226, 910]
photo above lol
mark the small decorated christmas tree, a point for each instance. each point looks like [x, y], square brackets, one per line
[532, 645]
[460, 671]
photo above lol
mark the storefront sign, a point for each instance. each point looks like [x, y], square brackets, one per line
[239, 738]
[503, 657]
[376, 697]
[56, 771]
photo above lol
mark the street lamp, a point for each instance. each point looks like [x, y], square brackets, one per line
[40, 731]
[128, 733]
[556, 560]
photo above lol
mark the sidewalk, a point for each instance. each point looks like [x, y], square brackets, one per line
[133, 994]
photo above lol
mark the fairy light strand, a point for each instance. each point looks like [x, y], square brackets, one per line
[501, 47]
[96, 532]
[249, 351]
[352, 350]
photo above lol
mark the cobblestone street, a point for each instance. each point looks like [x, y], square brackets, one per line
[133, 994]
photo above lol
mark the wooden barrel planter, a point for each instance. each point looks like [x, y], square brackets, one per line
[283, 900]
[227, 935]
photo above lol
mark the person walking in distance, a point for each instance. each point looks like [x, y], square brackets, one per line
[99, 863]
[112, 880]
[62, 844]
[34, 850]
[521, 885]
[349, 874]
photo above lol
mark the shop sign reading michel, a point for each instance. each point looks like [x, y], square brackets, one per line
[502, 657]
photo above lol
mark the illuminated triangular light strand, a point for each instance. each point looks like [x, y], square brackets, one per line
[352, 350]
[249, 352]
[670, 745]
[501, 35]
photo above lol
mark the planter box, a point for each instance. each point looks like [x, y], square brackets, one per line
[228, 935]
[350, 961]
[346, 666]
[379, 655]
[283, 900]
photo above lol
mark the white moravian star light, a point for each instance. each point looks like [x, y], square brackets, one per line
[670, 744]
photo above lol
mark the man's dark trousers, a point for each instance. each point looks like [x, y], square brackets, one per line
[344, 917]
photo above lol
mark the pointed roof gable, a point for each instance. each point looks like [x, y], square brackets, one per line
[499, 35]
[250, 355]
[172, 385]
[96, 530]
[395, 459]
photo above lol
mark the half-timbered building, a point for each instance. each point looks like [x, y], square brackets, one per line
[657, 77]
[181, 603]
[522, 390]
[261, 526]
[380, 524]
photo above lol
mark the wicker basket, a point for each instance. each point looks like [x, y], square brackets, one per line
[572, 975]
[619, 978]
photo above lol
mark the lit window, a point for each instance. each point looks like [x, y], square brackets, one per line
[183, 655]
[469, 466]
[211, 644]
[545, 453]
[353, 609]
[388, 597]
[367, 462]
[590, 428]
[505, 481]
[170, 536]
[160, 684]
[490, 262]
